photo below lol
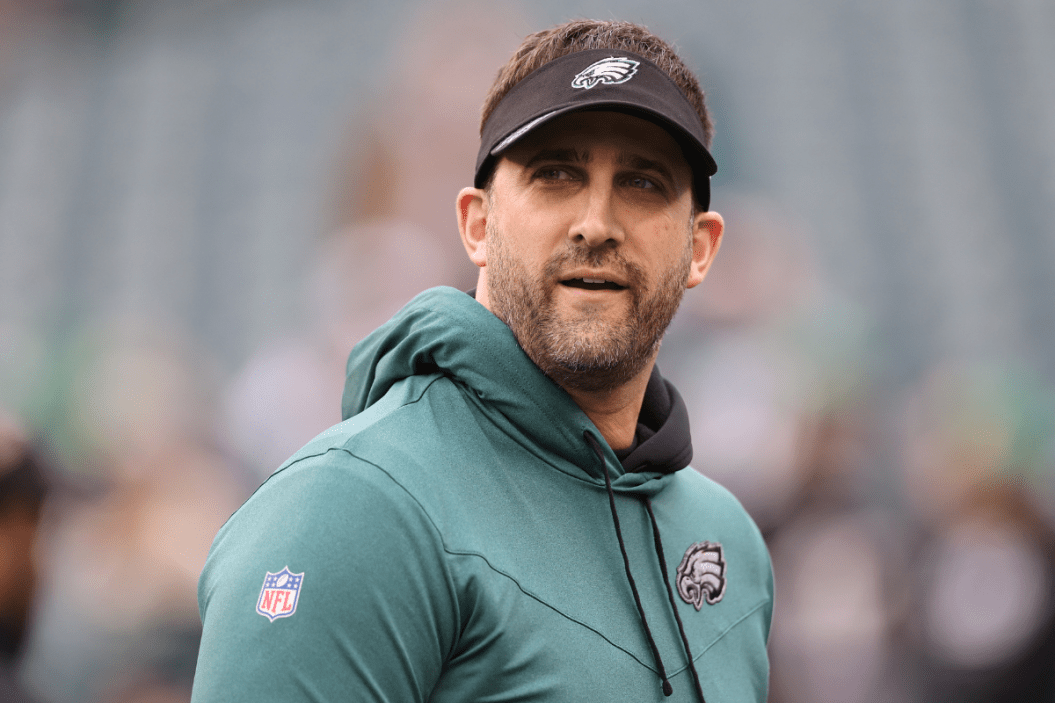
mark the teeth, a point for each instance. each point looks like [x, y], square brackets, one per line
[594, 280]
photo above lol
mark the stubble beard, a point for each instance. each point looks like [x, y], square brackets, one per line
[582, 351]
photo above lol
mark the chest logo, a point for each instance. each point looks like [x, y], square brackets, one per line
[613, 71]
[279, 594]
[701, 574]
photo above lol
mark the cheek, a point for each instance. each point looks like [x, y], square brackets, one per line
[529, 239]
[665, 246]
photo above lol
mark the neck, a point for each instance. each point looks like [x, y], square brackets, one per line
[615, 412]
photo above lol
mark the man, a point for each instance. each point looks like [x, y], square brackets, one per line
[506, 512]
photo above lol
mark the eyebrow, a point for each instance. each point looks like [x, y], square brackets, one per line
[566, 155]
[627, 160]
[640, 163]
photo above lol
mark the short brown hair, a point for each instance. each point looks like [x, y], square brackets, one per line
[542, 47]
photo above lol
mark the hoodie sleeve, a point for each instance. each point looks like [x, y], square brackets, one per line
[329, 584]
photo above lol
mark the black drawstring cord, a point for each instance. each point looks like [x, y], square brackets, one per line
[667, 688]
[673, 605]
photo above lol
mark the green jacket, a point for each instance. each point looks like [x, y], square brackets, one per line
[453, 540]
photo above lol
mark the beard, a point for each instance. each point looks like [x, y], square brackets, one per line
[581, 350]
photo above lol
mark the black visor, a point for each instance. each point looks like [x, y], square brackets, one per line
[598, 79]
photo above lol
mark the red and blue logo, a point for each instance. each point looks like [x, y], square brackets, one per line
[279, 594]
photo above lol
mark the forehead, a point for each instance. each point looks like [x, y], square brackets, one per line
[589, 130]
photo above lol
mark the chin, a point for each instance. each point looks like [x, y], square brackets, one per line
[589, 376]
[592, 356]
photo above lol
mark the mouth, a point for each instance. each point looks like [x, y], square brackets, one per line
[592, 284]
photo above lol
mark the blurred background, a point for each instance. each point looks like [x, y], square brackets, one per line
[205, 203]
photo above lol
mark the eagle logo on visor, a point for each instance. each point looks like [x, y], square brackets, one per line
[701, 574]
[612, 71]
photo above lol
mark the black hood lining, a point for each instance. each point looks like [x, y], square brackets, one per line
[662, 442]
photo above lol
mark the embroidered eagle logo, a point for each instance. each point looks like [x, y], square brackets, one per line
[701, 574]
[613, 70]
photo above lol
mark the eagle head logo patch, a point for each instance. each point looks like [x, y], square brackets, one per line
[612, 71]
[701, 574]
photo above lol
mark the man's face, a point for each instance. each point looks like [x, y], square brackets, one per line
[590, 245]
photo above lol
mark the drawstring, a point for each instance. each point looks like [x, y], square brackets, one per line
[667, 688]
[670, 596]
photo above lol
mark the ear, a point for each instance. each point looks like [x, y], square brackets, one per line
[472, 223]
[707, 229]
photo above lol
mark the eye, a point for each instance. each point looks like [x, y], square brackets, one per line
[641, 182]
[553, 173]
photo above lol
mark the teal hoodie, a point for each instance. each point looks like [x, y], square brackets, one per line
[453, 540]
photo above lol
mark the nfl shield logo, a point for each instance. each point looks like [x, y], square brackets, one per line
[279, 595]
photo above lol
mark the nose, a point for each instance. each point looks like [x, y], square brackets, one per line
[598, 223]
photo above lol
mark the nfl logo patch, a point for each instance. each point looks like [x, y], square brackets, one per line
[279, 594]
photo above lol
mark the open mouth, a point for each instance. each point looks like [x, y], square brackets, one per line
[591, 284]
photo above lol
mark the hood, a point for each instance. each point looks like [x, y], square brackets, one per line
[444, 330]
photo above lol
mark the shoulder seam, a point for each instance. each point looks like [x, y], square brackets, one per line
[293, 462]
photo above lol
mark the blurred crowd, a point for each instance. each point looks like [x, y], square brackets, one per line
[911, 520]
